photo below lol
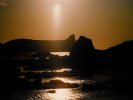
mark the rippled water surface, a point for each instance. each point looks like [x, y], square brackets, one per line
[62, 94]
[65, 93]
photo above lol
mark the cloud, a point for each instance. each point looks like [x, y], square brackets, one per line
[3, 2]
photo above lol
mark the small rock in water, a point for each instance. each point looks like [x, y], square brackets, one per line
[51, 91]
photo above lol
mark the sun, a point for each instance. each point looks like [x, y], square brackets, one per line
[57, 8]
[56, 16]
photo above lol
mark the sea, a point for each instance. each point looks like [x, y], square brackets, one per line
[67, 93]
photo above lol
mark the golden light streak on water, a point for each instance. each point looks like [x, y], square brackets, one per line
[50, 71]
[64, 79]
[64, 94]
[60, 53]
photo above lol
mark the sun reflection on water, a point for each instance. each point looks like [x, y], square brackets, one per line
[64, 79]
[63, 94]
[61, 53]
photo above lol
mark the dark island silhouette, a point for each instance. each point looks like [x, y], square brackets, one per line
[84, 59]
[20, 46]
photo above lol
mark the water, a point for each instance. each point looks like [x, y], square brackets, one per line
[60, 94]
[65, 75]
[61, 53]
[76, 93]
[50, 70]
[65, 93]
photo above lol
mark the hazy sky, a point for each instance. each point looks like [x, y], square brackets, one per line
[106, 22]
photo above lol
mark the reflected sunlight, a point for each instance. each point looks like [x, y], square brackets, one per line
[64, 79]
[64, 94]
[63, 70]
[69, 80]
[60, 53]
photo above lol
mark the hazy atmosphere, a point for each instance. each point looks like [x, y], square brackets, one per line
[106, 22]
[66, 49]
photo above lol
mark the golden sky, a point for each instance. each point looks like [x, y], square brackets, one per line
[106, 22]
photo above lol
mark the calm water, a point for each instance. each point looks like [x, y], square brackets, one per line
[65, 93]
[62, 94]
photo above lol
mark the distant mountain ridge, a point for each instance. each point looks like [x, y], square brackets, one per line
[122, 53]
[116, 61]
[84, 53]
[122, 46]
[82, 47]
[28, 45]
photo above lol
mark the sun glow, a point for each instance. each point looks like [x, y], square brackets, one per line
[56, 10]
[56, 16]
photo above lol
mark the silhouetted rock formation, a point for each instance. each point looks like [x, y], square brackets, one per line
[116, 60]
[120, 55]
[81, 53]
[122, 51]
[0, 44]
[84, 52]
[82, 47]
[121, 63]
[0, 48]
[26, 45]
